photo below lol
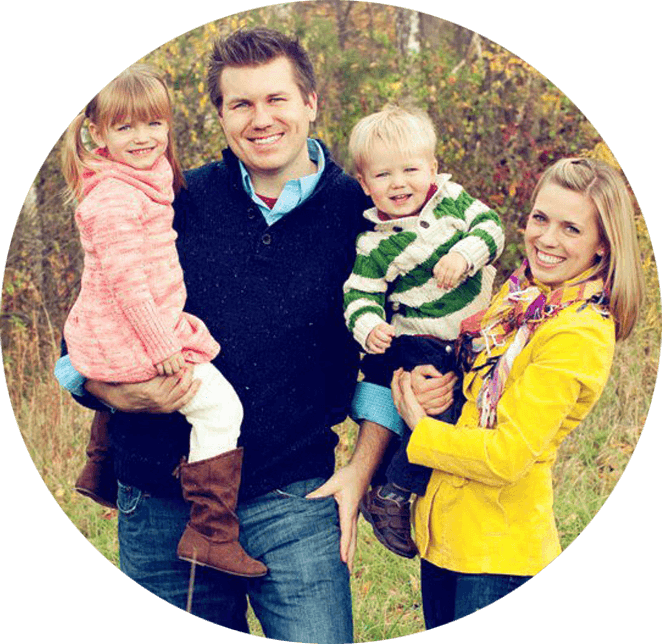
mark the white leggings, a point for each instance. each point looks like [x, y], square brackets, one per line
[215, 414]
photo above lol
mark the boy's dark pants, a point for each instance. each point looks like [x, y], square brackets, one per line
[409, 351]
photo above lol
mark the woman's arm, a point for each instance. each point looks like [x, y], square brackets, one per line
[568, 369]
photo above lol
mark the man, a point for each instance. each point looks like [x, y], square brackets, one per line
[266, 240]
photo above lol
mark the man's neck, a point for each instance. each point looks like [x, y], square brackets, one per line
[271, 184]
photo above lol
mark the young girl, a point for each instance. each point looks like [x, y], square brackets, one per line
[128, 324]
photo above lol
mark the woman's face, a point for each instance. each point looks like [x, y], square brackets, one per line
[562, 236]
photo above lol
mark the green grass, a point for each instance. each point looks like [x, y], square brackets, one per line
[385, 588]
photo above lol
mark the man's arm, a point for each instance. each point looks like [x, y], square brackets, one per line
[349, 483]
[160, 395]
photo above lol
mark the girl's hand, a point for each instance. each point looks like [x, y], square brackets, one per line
[380, 338]
[405, 399]
[172, 365]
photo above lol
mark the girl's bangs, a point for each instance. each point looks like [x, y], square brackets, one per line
[140, 100]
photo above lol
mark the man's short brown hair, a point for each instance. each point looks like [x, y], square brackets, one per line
[248, 48]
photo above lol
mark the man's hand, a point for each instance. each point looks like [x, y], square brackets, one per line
[347, 487]
[160, 395]
[349, 484]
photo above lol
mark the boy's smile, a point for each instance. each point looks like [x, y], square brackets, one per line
[398, 182]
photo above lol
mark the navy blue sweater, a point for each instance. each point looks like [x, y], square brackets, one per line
[272, 296]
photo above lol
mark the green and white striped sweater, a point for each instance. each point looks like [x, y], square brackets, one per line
[398, 256]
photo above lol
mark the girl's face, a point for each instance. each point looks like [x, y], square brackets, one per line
[562, 236]
[138, 144]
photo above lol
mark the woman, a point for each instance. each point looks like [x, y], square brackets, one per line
[540, 355]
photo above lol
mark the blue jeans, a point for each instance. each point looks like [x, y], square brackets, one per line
[449, 595]
[305, 596]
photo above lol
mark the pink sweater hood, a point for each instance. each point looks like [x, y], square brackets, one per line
[129, 314]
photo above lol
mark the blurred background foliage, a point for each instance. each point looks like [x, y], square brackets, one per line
[499, 123]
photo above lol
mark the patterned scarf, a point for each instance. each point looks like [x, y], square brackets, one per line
[520, 310]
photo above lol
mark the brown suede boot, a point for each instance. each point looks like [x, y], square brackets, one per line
[211, 536]
[97, 479]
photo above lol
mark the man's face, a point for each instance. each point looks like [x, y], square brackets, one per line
[266, 120]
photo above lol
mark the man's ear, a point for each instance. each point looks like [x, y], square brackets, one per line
[311, 102]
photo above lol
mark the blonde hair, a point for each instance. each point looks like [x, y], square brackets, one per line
[620, 265]
[408, 130]
[138, 93]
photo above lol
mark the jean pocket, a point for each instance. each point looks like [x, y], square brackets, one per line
[299, 489]
[128, 498]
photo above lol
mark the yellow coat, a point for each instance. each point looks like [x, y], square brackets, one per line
[488, 505]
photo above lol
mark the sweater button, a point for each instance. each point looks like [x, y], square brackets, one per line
[266, 239]
[425, 224]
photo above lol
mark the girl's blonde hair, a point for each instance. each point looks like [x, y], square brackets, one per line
[138, 93]
[620, 265]
[408, 130]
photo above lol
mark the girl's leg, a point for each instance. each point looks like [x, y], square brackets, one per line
[210, 479]
[215, 414]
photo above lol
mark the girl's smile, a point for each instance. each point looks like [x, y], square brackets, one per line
[138, 144]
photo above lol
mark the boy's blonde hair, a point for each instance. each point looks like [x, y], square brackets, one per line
[620, 265]
[408, 130]
[138, 93]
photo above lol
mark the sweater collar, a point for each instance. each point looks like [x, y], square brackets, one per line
[156, 182]
[407, 223]
[294, 192]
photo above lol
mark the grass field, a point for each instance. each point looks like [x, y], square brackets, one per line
[386, 588]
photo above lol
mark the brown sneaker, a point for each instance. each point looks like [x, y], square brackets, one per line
[390, 521]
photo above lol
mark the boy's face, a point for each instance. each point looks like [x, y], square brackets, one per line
[398, 182]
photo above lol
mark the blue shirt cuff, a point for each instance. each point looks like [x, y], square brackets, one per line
[68, 377]
[375, 403]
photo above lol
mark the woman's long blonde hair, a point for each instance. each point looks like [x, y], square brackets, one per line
[138, 93]
[620, 265]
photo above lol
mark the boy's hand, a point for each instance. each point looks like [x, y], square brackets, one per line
[170, 366]
[380, 338]
[450, 270]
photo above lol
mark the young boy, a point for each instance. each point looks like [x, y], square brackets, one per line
[418, 274]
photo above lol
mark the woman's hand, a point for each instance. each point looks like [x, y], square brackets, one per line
[433, 390]
[405, 400]
[160, 395]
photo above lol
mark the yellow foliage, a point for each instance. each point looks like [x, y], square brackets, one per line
[602, 152]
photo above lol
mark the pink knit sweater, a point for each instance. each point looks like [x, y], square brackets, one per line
[129, 313]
